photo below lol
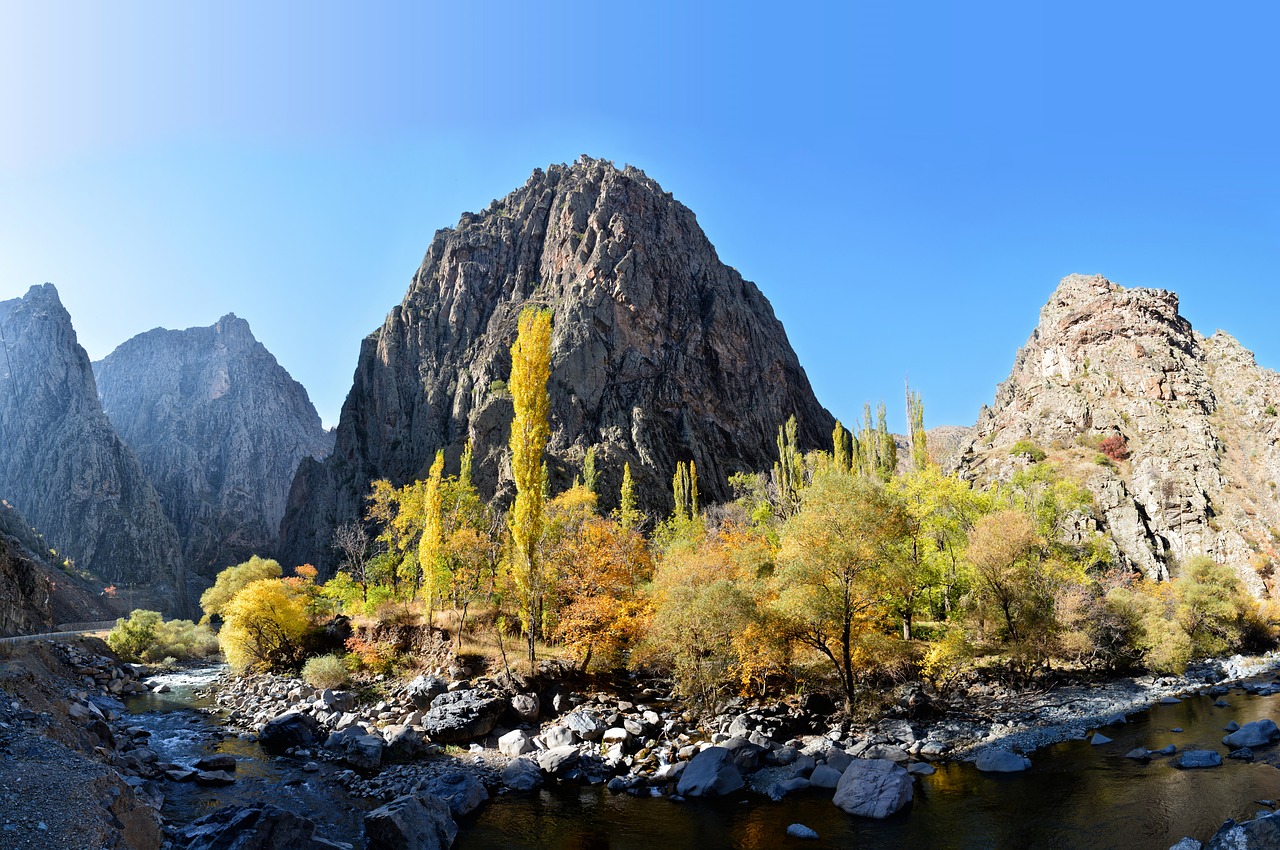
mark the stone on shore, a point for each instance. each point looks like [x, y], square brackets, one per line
[289, 730]
[799, 830]
[711, 773]
[874, 788]
[411, 822]
[260, 828]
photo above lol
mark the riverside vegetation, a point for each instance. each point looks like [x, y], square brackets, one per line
[851, 572]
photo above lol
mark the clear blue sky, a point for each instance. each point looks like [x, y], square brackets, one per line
[905, 181]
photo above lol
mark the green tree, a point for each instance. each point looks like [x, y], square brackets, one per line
[530, 431]
[628, 514]
[915, 431]
[788, 470]
[842, 445]
[684, 486]
[590, 478]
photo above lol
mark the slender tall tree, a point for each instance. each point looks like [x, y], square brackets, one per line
[628, 515]
[915, 431]
[530, 431]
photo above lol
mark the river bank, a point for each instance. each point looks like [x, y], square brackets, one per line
[360, 752]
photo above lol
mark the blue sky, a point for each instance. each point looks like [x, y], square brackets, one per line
[905, 182]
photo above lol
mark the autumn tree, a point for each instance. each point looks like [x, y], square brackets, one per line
[916, 438]
[834, 553]
[590, 477]
[234, 579]
[264, 626]
[842, 447]
[530, 430]
[788, 470]
[684, 487]
[628, 513]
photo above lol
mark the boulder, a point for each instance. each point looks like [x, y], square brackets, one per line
[799, 830]
[259, 828]
[1099, 739]
[462, 715]
[1261, 833]
[711, 773]
[874, 788]
[516, 743]
[1259, 733]
[825, 776]
[403, 744]
[214, 778]
[558, 761]
[587, 725]
[411, 822]
[1199, 758]
[363, 752]
[217, 761]
[746, 755]
[526, 708]
[522, 774]
[289, 730]
[461, 791]
[423, 690]
[558, 736]
[1001, 761]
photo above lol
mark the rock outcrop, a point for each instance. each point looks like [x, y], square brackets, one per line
[661, 353]
[1174, 433]
[67, 470]
[219, 427]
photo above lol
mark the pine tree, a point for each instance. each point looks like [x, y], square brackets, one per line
[530, 431]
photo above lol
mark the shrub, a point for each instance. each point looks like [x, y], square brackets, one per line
[147, 636]
[1029, 450]
[325, 671]
[1115, 447]
[372, 654]
[1271, 410]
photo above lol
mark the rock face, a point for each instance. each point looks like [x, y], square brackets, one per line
[219, 427]
[67, 470]
[1193, 419]
[661, 353]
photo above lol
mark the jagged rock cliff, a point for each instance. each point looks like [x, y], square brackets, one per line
[661, 353]
[65, 468]
[219, 427]
[1196, 417]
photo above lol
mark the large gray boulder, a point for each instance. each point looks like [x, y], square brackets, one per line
[462, 715]
[522, 774]
[874, 788]
[1259, 733]
[587, 724]
[290, 730]
[252, 828]
[411, 822]
[1261, 833]
[558, 761]
[424, 689]
[1001, 761]
[404, 744]
[711, 773]
[460, 790]
[1191, 759]
[363, 752]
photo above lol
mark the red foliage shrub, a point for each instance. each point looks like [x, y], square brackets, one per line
[1115, 447]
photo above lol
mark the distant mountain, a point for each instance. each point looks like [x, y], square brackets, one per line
[1191, 419]
[219, 427]
[65, 468]
[661, 353]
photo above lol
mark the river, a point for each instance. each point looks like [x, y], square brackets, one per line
[1075, 797]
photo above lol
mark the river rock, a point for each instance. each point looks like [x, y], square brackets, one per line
[1187, 844]
[781, 789]
[1001, 761]
[799, 830]
[711, 773]
[218, 761]
[1138, 754]
[1261, 833]
[522, 774]
[558, 736]
[587, 724]
[825, 776]
[462, 791]
[516, 743]
[462, 715]
[1099, 739]
[1259, 733]
[411, 822]
[1231, 727]
[1199, 758]
[558, 761]
[403, 744]
[214, 778]
[746, 755]
[363, 752]
[423, 690]
[258, 828]
[289, 730]
[874, 788]
[526, 708]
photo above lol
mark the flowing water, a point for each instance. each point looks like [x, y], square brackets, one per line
[1075, 797]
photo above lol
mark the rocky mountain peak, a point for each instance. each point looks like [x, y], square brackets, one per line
[219, 427]
[1193, 460]
[63, 465]
[661, 353]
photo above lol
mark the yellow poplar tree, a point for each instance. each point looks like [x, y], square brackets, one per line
[530, 431]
